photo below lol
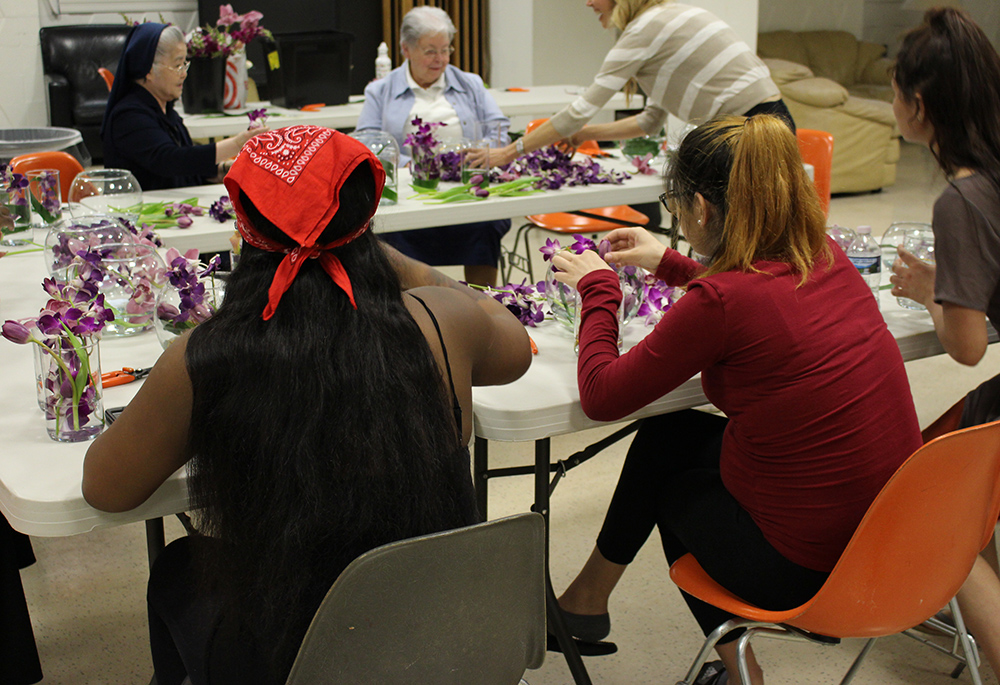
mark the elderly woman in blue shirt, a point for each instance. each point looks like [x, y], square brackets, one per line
[428, 87]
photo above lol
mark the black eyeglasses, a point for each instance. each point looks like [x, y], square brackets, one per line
[669, 201]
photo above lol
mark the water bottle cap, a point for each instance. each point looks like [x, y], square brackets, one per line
[864, 230]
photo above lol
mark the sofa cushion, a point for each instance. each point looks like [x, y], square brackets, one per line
[868, 55]
[783, 71]
[832, 54]
[816, 91]
[872, 92]
[786, 45]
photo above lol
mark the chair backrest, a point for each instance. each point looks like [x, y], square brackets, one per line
[108, 76]
[816, 148]
[465, 606]
[75, 53]
[587, 147]
[917, 542]
[65, 163]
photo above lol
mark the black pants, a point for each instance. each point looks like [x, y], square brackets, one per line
[778, 108]
[19, 663]
[671, 480]
[189, 635]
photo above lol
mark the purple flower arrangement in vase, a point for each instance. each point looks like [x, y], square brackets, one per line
[191, 297]
[14, 194]
[66, 334]
[425, 166]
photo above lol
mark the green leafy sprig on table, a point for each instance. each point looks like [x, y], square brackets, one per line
[472, 192]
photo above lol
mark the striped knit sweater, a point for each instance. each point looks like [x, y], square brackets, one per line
[688, 62]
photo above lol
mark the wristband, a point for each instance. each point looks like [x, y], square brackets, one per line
[519, 146]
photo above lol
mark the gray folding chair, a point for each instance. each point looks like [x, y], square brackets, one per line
[465, 606]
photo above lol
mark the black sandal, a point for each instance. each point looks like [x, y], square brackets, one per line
[712, 673]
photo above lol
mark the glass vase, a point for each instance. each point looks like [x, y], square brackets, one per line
[177, 311]
[565, 302]
[44, 196]
[131, 273]
[114, 192]
[17, 202]
[93, 234]
[70, 371]
[384, 146]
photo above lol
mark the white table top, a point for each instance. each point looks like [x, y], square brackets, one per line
[537, 101]
[411, 212]
[40, 479]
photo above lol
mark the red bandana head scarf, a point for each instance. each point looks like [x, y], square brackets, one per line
[293, 176]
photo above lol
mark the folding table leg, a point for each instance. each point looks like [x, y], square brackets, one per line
[480, 475]
[556, 623]
[155, 539]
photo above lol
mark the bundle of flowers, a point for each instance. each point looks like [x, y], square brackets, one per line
[556, 168]
[222, 40]
[522, 300]
[258, 118]
[186, 274]
[15, 187]
[74, 315]
[426, 166]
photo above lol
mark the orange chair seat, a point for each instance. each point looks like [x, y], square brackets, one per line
[65, 163]
[565, 222]
[816, 148]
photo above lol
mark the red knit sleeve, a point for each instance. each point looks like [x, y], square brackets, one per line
[689, 338]
[676, 269]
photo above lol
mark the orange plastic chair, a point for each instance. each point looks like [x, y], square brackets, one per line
[67, 165]
[908, 558]
[568, 223]
[108, 77]
[816, 148]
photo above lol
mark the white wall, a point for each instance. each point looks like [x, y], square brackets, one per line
[22, 89]
[811, 15]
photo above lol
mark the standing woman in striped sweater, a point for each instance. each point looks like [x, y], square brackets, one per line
[687, 61]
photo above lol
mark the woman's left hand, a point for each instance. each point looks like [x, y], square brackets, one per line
[572, 267]
[912, 278]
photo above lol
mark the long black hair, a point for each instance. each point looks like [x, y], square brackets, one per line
[950, 63]
[319, 434]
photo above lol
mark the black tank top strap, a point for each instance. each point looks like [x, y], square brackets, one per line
[456, 406]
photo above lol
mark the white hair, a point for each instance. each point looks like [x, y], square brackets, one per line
[425, 21]
[170, 37]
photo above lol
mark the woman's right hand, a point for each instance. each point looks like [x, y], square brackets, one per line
[634, 246]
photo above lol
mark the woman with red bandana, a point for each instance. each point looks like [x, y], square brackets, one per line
[325, 410]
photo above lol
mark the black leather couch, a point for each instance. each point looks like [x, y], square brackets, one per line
[77, 93]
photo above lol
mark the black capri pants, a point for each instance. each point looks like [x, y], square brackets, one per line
[671, 480]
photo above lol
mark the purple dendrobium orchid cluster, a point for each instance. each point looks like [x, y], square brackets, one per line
[556, 168]
[258, 118]
[144, 233]
[423, 145]
[523, 301]
[450, 164]
[643, 164]
[185, 273]
[222, 209]
[182, 212]
[15, 184]
[658, 300]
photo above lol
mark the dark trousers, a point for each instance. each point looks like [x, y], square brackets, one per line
[671, 480]
[19, 663]
[189, 635]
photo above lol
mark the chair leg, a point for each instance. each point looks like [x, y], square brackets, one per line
[971, 653]
[706, 648]
[856, 666]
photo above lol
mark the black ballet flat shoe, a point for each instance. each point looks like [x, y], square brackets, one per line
[596, 648]
[712, 673]
[587, 628]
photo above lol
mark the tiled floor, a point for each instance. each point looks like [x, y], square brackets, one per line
[86, 593]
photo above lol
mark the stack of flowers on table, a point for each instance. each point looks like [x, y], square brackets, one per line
[66, 333]
[192, 296]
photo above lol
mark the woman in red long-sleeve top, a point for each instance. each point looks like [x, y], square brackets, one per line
[791, 347]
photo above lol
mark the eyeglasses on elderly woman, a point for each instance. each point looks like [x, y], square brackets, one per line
[179, 69]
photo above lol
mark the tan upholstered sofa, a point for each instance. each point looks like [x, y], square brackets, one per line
[833, 82]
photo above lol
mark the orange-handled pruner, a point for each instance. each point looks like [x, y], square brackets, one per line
[121, 377]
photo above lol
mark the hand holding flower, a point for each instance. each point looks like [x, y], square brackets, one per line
[635, 247]
[572, 267]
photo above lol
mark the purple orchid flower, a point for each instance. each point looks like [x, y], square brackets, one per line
[549, 249]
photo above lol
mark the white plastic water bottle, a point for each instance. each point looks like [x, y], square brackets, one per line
[383, 65]
[866, 256]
